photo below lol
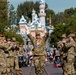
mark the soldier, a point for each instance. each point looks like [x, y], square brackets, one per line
[15, 55]
[71, 54]
[7, 56]
[63, 53]
[39, 51]
[2, 63]
[75, 57]
[2, 58]
[21, 50]
[10, 58]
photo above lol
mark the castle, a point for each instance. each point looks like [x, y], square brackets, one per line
[39, 21]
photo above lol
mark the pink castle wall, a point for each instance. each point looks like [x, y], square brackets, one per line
[41, 31]
[22, 28]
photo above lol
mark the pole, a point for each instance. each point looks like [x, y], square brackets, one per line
[36, 28]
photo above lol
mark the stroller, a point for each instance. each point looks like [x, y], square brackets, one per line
[57, 61]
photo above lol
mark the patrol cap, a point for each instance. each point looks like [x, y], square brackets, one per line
[37, 34]
[71, 35]
[0, 38]
[9, 39]
[13, 39]
[63, 36]
[1, 35]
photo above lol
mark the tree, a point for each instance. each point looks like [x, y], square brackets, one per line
[10, 34]
[55, 37]
[27, 7]
[71, 27]
[64, 22]
[49, 13]
[3, 15]
[12, 15]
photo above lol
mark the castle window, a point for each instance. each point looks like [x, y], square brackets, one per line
[42, 12]
[22, 32]
[22, 20]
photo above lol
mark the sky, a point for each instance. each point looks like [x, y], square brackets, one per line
[55, 5]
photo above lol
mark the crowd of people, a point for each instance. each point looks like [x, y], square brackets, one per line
[67, 48]
[9, 51]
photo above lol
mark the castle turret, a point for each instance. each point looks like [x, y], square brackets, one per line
[42, 13]
[22, 24]
[51, 27]
[33, 14]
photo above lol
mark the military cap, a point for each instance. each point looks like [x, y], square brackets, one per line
[9, 39]
[13, 38]
[63, 35]
[1, 35]
[71, 35]
[37, 33]
[0, 38]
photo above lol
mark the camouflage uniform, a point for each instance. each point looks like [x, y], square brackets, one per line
[39, 53]
[71, 55]
[75, 57]
[63, 54]
[15, 55]
[11, 57]
[7, 57]
[21, 50]
[2, 59]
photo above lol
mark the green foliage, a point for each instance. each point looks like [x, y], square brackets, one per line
[11, 34]
[27, 7]
[3, 15]
[56, 35]
[64, 22]
[11, 14]
[49, 13]
[2, 27]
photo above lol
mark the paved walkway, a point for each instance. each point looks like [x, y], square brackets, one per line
[49, 70]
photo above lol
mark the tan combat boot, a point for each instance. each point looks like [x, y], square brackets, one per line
[36, 74]
[12, 73]
[4, 74]
[72, 74]
[65, 73]
[39, 74]
[9, 73]
[18, 72]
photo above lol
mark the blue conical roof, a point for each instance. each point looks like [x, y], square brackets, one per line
[22, 20]
[36, 20]
[33, 11]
